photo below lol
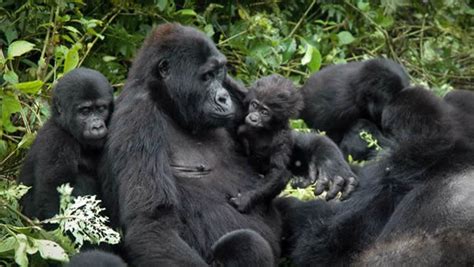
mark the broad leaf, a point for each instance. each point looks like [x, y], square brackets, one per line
[19, 48]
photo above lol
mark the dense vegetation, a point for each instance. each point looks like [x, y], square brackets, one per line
[43, 39]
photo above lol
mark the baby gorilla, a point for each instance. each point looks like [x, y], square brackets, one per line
[267, 138]
[69, 145]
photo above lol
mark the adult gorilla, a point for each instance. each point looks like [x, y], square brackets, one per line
[170, 162]
[419, 193]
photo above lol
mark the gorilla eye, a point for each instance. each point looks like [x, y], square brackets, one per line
[265, 112]
[208, 76]
[254, 105]
[101, 108]
[85, 111]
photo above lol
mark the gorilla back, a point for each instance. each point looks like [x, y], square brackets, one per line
[170, 163]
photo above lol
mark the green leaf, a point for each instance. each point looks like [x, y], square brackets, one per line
[162, 4]
[315, 62]
[27, 140]
[72, 59]
[312, 58]
[11, 77]
[345, 38]
[19, 48]
[209, 30]
[72, 29]
[307, 55]
[8, 243]
[51, 250]
[29, 87]
[10, 105]
[290, 49]
[3, 152]
[187, 12]
[20, 250]
[364, 6]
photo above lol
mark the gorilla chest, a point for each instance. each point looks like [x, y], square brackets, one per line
[204, 157]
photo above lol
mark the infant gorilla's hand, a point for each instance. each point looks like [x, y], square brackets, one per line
[241, 202]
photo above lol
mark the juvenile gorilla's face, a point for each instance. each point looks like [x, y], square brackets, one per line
[87, 120]
[90, 119]
[258, 115]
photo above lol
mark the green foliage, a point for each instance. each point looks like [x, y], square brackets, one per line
[300, 193]
[80, 216]
[25, 243]
[42, 40]
[372, 142]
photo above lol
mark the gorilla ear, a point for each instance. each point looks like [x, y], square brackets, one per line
[57, 106]
[163, 68]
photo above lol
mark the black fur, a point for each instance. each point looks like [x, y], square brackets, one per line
[443, 247]
[339, 95]
[461, 104]
[68, 146]
[242, 248]
[96, 258]
[317, 159]
[267, 138]
[422, 183]
[352, 143]
[170, 165]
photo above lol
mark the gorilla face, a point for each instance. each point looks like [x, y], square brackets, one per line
[188, 79]
[82, 105]
[90, 120]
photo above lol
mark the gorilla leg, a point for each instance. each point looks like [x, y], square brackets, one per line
[243, 247]
[96, 258]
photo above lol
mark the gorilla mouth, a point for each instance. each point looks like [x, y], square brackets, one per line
[94, 136]
[221, 112]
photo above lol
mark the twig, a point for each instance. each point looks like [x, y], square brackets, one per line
[301, 19]
[89, 47]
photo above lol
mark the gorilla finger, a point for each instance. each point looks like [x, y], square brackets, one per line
[299, 182]
[350, 186]
[322, 184]
[336, 187]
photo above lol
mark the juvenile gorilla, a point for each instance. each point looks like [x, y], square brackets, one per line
[266, 137]
[424, 183]
[337, 96]
[69, 144]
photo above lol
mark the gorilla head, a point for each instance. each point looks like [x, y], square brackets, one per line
[82, 105]
[186, 63]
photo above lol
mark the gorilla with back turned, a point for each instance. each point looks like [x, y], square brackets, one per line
[421, 187]
[338, 95]
[68, 146]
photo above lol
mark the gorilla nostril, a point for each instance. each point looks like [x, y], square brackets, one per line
[222, 99]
